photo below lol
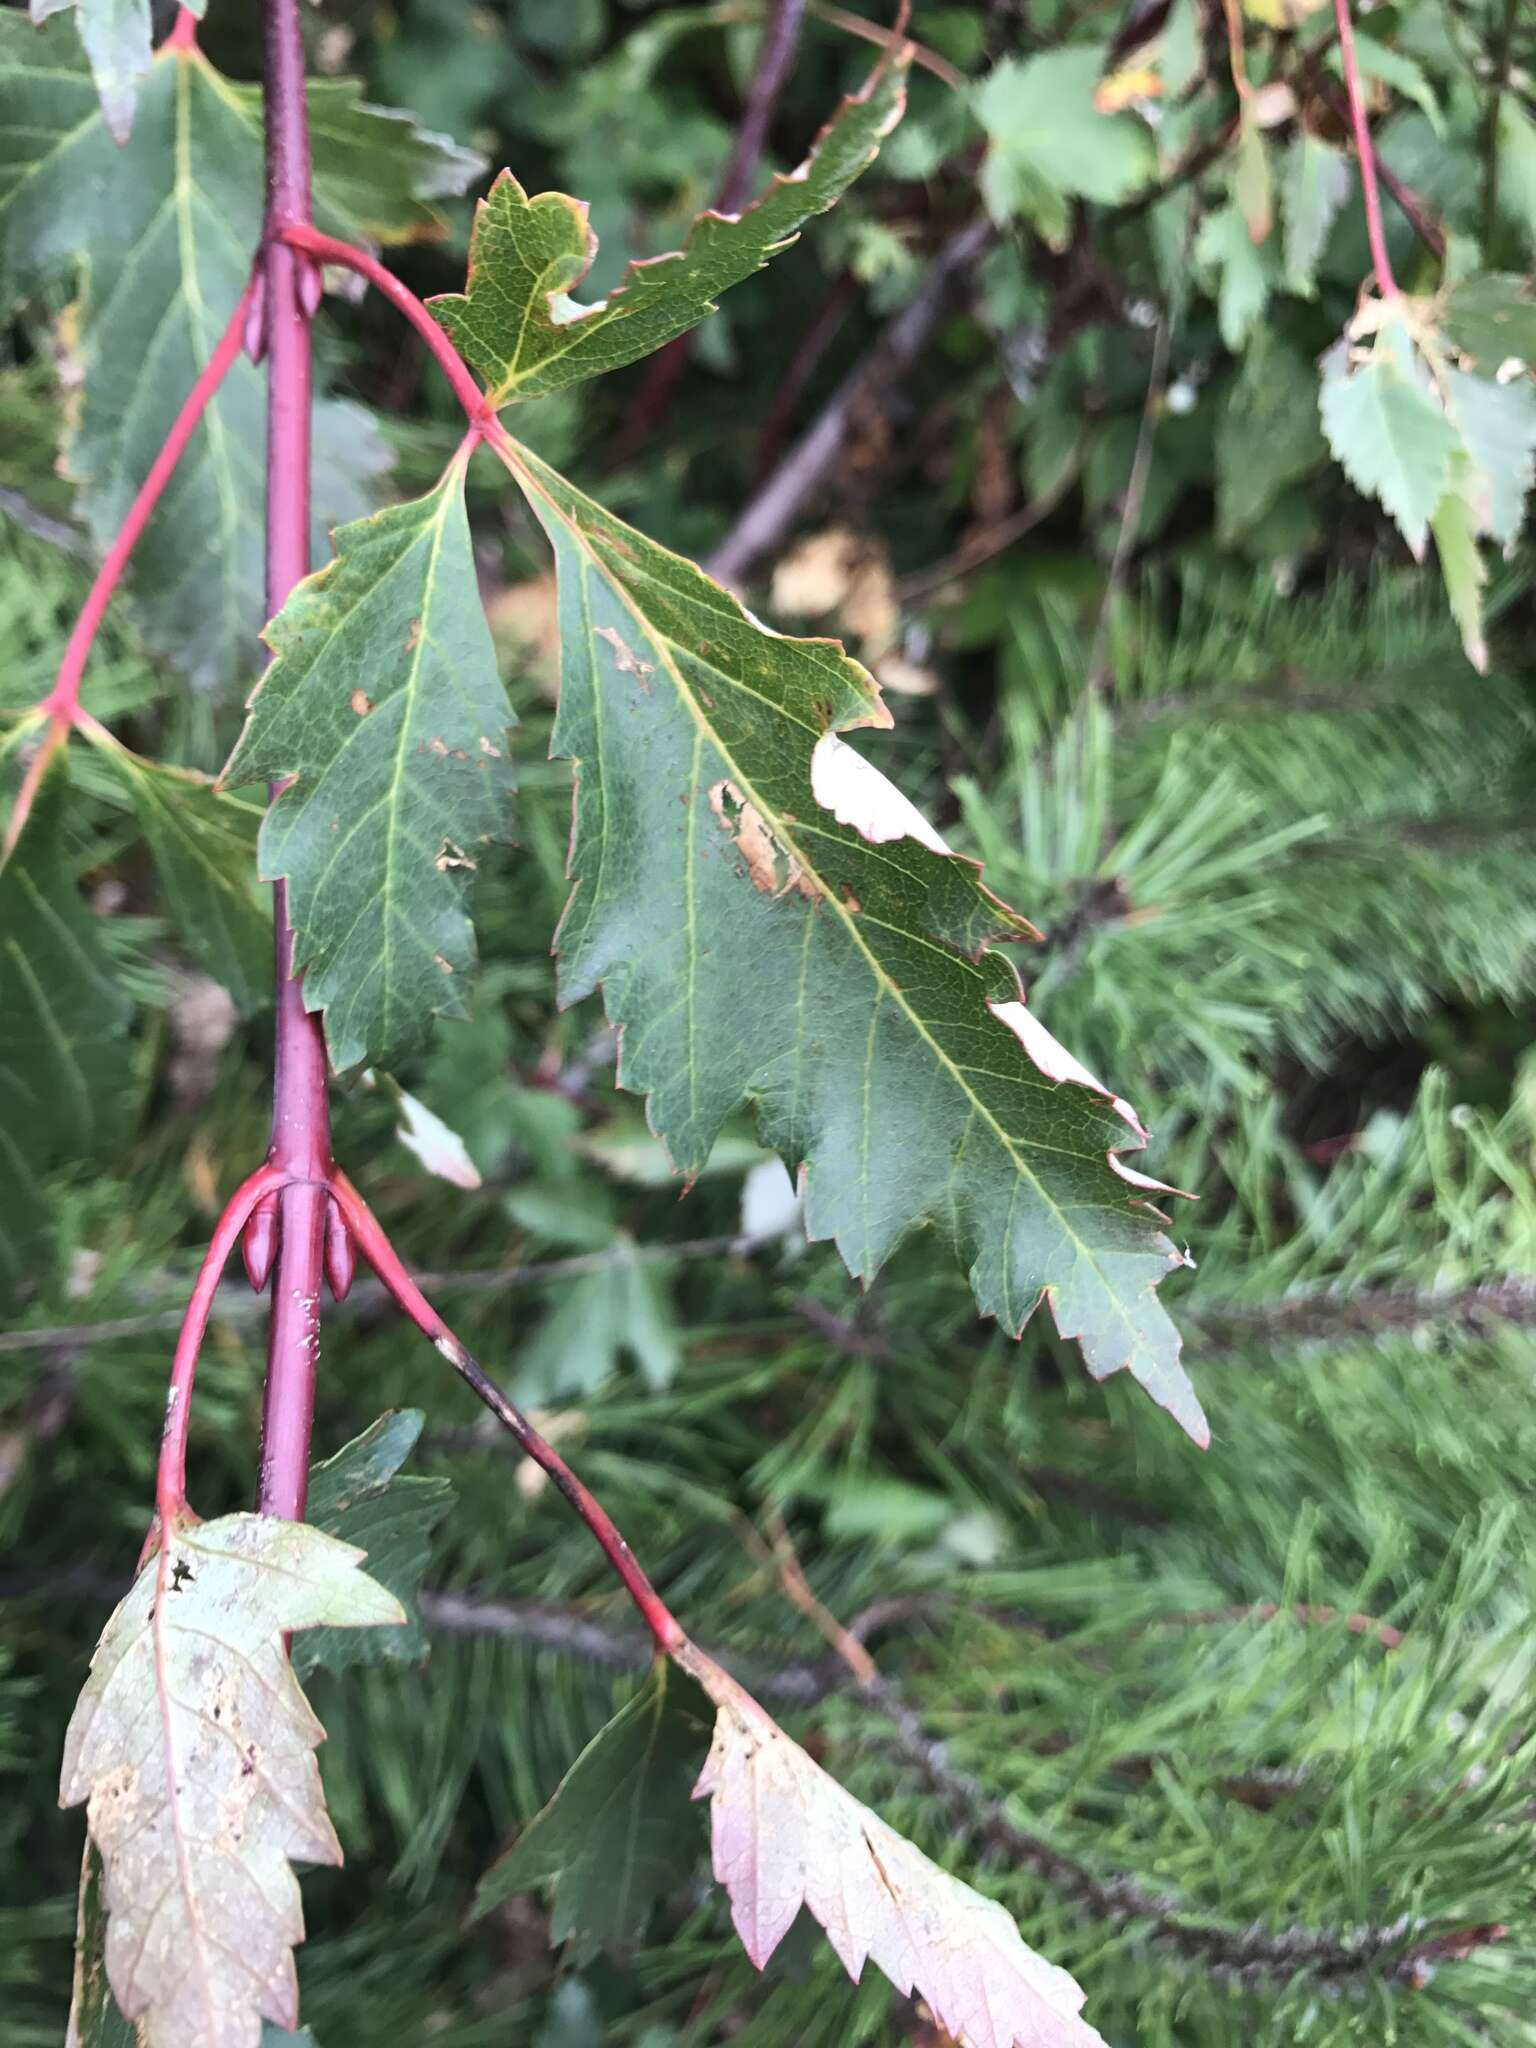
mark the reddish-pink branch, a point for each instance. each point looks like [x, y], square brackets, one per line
[1365, 149]
[385, 1261]
[301, 1136]
[63, 700]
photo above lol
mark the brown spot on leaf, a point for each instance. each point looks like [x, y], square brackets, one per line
[743, 824]
[437, 746]
[625, 659]
[413, 637]
[850, 901]
[445, 965]
[487, 748]
[362, 704]
[452, 856]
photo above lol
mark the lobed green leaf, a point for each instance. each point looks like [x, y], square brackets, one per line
[385, 705]
[771, 919]
[516, 322]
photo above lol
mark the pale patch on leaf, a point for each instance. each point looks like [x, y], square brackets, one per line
[194, 1745]
[857, 794]
[786, 1835]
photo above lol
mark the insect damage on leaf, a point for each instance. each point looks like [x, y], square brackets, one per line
[194, 1746]
[516, 322]
[785, 1835]
[779, 923]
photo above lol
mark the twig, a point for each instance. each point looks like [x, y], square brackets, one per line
[301, 1131]
[771, 511]
[890, 39]
[985, 545]
[809, 350]
[1309, 1318]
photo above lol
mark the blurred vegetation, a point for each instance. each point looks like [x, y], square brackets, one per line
[1244, 1738]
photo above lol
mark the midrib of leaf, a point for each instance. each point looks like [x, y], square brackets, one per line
[511, 453]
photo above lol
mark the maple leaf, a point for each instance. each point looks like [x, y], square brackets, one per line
[63, 1020]
[385, 704]
[777, 922]
[359, 1497]
[203, 842]
[194, 1745]
[159, 233]
[613, 1840]
[515, 320]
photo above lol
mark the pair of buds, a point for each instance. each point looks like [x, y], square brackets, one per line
[259, 1243]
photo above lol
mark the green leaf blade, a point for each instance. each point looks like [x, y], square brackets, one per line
[619, 1833]
[1392, 440]
[517, 327]
[359, 1497]
[159, 234]
[385, 702]
[770, 919]
[64, 1022]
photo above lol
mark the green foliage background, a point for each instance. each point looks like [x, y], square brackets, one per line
[1230, 1732]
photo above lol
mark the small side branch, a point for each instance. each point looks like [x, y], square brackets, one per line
[375, 1247]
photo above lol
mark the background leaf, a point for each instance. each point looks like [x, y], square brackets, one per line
[160, 234]
[617, 1836]
[63, 1024]
[359, 1497]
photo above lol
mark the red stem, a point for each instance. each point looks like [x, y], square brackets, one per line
[1386, 283]
[171, 1478]
[385, 1261]
[63, 699]
[326, 249]
[301, 1138]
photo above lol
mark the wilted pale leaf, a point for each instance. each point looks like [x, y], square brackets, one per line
[385, 707]
[772, 920]
[519, 327]
[786, 1835]
[194, 1745]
